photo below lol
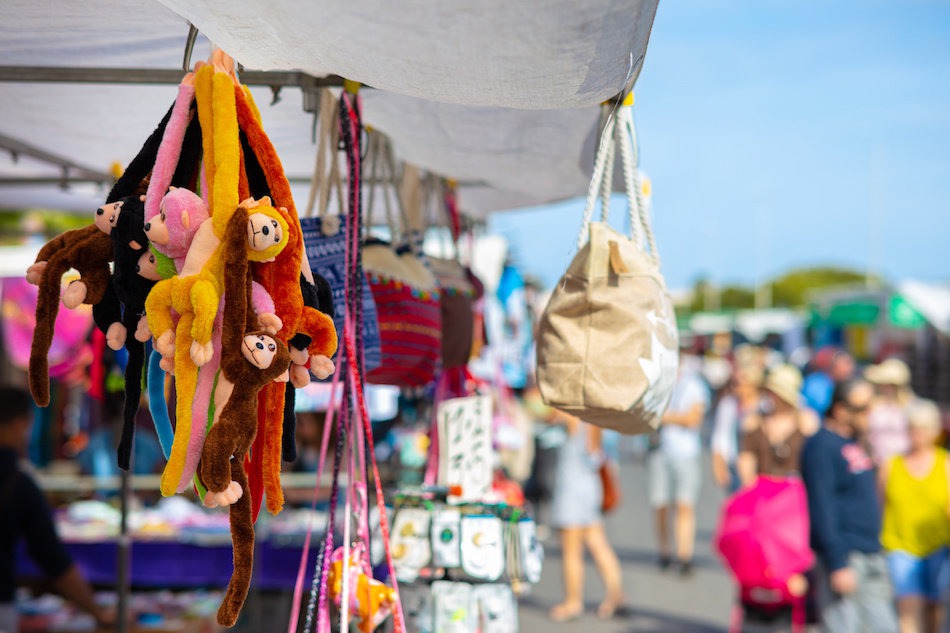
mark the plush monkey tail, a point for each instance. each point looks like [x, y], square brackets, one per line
[157, 405]
[47, 307]
[242, 539]
[288, 445]
[133, 395]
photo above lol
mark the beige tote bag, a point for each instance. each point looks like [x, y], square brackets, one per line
[607, 341]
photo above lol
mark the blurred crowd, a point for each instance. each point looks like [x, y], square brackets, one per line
[868, 451]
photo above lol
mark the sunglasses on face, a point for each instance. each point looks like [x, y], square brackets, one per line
[859, 408]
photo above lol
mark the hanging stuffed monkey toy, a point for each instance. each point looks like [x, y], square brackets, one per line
[134, 275]
[281, 278]
[89, 251]
[251, 358]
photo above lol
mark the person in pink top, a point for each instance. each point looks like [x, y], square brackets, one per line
[887, 420]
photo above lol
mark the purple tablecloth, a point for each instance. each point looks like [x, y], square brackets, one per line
[171, 564]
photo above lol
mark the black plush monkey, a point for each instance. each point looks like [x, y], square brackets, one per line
[121, 312]
[316, 295]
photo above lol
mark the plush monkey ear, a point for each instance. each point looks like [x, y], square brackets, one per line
[185, 219]
[284, 377]
[135, 245]
[142, 198]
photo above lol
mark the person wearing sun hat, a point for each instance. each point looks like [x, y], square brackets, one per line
[887, 420]
[775, 435]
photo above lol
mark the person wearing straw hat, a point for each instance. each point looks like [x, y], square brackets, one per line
[916, 526]
[776, 434]
[887, 420]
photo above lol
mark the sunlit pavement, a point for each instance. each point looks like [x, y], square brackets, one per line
[661, 601]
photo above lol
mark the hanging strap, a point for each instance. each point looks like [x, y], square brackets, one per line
[363, 416]
[604, 153]
[619, 129]
[352, 348]
[332, 412]
[328, 141]
[630, 155]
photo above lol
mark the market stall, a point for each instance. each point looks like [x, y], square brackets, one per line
[474, 113]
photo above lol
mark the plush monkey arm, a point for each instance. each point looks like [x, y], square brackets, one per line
[61, 243]
[204, 301]
[319, 327]
[185, 174]
[94, 256]
[107, 315]
[140, 166]
[227, 152]
[237, 284]
[90, 258]
[158, 306]
[166, 159]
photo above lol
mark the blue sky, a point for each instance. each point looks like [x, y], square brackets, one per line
[779, 134]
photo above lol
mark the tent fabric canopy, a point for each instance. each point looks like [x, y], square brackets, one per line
[501, 95]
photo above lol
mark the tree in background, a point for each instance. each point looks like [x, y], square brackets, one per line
[790, 290]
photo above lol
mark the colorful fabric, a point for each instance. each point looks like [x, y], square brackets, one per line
[326, 254]
[410, 329]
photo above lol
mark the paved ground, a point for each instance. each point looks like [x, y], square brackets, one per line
[662, 601]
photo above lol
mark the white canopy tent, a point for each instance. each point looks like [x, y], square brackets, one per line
[499, 94]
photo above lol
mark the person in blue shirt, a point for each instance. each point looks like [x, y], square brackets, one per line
[845, 516]
[830, 367]
[24, 514]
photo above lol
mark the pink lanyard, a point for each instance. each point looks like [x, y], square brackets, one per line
[350, 363]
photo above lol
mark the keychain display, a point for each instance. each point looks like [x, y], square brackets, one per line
[475, 542]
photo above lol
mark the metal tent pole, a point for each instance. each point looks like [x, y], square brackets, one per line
[124, 558]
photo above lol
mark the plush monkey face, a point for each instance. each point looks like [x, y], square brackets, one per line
[156, 229]
[107, 215]
[147, 267]
[259, 350]
[263, 232]
[267, 230]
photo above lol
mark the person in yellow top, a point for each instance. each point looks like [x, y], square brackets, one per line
[916, 525]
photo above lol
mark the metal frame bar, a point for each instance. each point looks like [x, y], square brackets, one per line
[71, 172]
[73, 74]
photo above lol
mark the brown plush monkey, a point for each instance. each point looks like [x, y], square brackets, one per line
[89, 251]
[250, 358]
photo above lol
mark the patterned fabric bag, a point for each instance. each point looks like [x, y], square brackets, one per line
[459, 287]
[406, 294]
